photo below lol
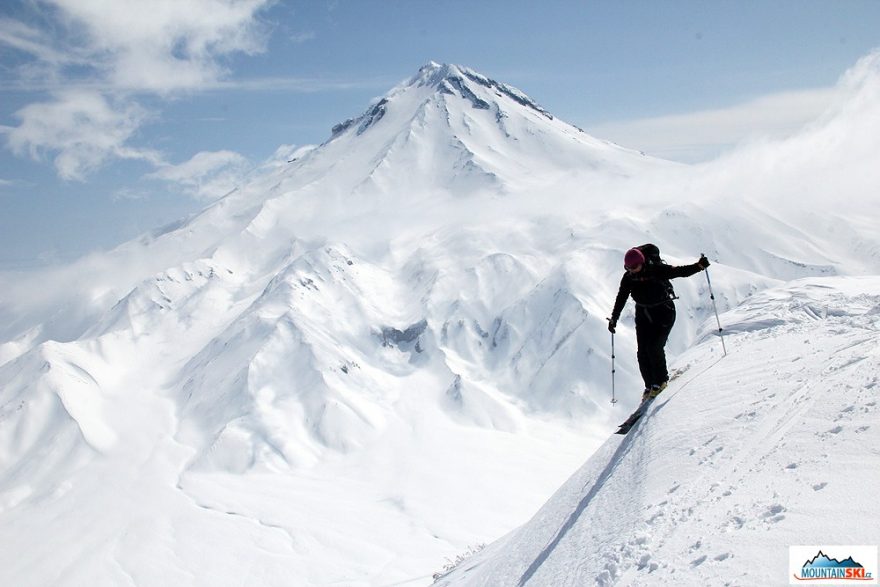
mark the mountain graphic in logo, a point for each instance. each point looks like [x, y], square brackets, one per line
[822, 560]
[859, 565]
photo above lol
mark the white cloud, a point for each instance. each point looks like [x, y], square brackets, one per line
[701, 135]
[833, 160]
[208, 175]
[109, 53]
[130, 194]
[165, 45]
[301, 84]
[303, 37]
[82, 128]
[286, 154]
[29, 40]
[213, 174]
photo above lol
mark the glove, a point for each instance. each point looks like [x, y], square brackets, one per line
[612, 325]
[703, 262]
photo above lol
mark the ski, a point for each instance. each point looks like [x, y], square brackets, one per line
[634, 417]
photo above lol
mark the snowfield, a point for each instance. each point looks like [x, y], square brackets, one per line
[774, 445]
[366, 361]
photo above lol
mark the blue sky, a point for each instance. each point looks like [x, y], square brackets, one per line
[117, 116]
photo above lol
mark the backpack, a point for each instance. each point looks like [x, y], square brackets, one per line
[653, 259]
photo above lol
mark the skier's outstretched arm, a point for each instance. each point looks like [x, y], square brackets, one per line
[673, 271]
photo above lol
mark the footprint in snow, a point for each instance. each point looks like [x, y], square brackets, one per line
[735, 523]
[774, 513]
[836, 430]
[708, 458]
[820, 486]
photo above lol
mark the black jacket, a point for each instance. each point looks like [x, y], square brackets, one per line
[648, 286]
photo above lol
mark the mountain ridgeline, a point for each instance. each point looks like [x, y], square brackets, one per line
[360, 338]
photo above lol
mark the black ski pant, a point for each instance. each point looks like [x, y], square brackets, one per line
[653, 325]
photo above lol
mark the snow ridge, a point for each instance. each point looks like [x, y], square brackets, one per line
[725, 467]
[315, 363]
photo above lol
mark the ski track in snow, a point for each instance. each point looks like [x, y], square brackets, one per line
[728, 468]
[393, 348]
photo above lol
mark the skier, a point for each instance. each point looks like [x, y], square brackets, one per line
[647, 280]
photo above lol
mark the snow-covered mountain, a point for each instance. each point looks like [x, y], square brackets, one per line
[772, 446]
[389, 348]
[455, 130]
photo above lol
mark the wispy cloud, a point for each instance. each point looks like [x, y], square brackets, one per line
[303, 37]
[303, 85]
[207, 175]
[14, 183]
[701, 135]
[21, 37]
[164, 45]
[103, 56]
[130, 194]
[81, 129]
[286, 154]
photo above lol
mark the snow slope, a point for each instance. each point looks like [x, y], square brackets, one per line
[773, 445]
[391, 348]
[246, 390]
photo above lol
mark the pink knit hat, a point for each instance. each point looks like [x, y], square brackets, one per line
[633, 258]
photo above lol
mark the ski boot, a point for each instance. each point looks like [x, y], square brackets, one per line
[654, 391]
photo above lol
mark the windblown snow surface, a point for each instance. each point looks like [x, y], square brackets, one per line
[362, 363]
[774, 445]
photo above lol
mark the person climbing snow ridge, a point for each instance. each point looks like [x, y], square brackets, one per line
[647, 280]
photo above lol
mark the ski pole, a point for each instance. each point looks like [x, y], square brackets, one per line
[613, 398]
[715, 306]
